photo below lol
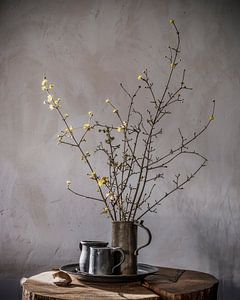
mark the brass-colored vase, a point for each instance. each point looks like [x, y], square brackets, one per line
[124, 235]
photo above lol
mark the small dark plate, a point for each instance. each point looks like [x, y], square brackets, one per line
[143, 270]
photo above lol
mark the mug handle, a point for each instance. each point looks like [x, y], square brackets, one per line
[118, 249]
[140, 224]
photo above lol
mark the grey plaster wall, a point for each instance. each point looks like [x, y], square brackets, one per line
[87, 48]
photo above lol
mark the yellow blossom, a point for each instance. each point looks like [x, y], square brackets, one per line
[51, 86]
[90, 113]
[110, 195]
[68, 182]
[171, 21]
[44, 82]
[93, 175]
[105, 210]
[107, 100]
[120, 129]
[66, 116]
[173, 65]
[211, 118]
[102, 181]
[87, 126]
[56, 103]
[69, 129]
[139, 77]
[115, 111]
[51, 107]
[49, 98]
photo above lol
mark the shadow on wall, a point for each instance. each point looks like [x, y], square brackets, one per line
[218, 239]
[10, 289]
[227, 290]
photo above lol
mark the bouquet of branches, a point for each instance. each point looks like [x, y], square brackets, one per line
[133, 163]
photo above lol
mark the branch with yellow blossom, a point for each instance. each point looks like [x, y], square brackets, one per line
[55, 104]
[134, 166]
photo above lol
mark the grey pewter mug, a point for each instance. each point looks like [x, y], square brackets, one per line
[85, 253]
[101, 261]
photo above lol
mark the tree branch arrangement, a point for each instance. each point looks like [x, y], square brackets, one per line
[134, 165]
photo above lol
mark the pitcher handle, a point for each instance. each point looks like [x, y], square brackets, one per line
[115, 249]
[140, 224]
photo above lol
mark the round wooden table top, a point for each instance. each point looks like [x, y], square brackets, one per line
[166, 284]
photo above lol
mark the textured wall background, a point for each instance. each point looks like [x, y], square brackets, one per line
[87, 48]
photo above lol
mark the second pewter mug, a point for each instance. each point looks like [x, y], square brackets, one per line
[85, 253]
[102, 262]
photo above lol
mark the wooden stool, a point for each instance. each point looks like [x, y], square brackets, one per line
[166, 284]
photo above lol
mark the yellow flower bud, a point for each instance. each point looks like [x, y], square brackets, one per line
[44, 82]
[51, 107]
[90, 113]
[211, 118]
[139, 77]
[120, 129]
[105, 210]
[87, 126]
[51, 86]
[115, 111]
[173, 65]
[49, 98]
[171, 21]
[107, 100]
[102, 181]
[68, 182]
[93, 175]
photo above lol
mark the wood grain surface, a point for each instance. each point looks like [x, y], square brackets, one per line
[166, 284]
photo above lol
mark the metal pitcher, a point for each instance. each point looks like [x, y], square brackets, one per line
[124, 235]
[85, 253]
[102, 262]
